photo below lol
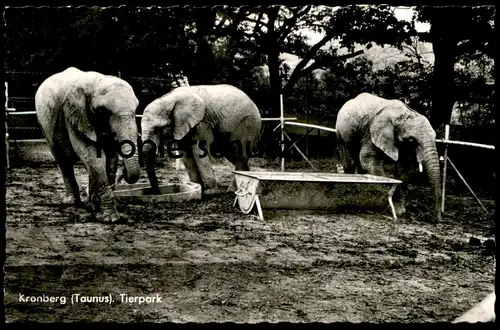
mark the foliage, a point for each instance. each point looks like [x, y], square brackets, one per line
[407, 81]
[470, 28]
[278, 29]
[328, 91]
[458, 33]
[241, 45]
[476, 96]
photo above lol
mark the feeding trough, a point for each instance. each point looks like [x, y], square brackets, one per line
[170, 193]
[312, 191]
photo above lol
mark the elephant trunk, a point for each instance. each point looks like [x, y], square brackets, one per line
[149, 151]
[430, 161]
[131, 159]
[132, 169]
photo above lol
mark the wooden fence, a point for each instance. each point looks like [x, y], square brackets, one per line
[283, 122]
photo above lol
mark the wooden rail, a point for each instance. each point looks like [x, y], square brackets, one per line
[311, 126]
[469, 144]
[278, 119]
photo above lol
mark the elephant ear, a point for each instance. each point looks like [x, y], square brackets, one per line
[76, 111]
[382, 134]
[188, 111]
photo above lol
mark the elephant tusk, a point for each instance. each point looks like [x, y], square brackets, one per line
[420, 167]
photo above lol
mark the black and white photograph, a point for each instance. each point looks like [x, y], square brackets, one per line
[209, 163]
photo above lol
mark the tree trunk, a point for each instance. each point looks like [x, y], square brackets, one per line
[202, 70]
[273, 62]
[443, 84]
[204, 64]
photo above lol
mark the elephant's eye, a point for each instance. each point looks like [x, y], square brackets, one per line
[410, 141]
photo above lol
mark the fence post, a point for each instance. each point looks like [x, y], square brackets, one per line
[446, 137]
[282, 121]
[7, 161]
[120, 74]
[307, 117]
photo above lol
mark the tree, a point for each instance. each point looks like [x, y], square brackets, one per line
[474, 83]
[278, 29]
[455, 32]
[135, 41]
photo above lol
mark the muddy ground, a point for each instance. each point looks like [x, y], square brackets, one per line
[209, 262]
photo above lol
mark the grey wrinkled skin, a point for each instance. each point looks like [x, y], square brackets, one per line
[216, 114]
[386, 138]
[77, 111]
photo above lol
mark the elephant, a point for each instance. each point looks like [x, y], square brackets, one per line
[84, 116]
[377, 133]
[221, 115]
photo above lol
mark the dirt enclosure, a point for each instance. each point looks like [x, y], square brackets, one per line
[210, 263]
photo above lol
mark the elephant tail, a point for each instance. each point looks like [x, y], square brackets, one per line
[343, 156]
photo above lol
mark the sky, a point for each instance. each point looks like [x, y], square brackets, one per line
[401, 13]
[406, 13]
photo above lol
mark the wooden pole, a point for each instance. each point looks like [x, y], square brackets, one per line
[7, 161]
[300, 152]
[467, 185]
[446, 136]
[307, 117]
[282, 120]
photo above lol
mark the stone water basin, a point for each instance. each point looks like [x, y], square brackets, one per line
[170, 193]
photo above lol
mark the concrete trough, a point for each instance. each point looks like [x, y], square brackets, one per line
[170, 193]
[313, 191]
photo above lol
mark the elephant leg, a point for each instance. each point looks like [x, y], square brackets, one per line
[400, 195]
[370, 161]
[72, 189]
[201, 158]
[93, 200]
[65, 159]
[191, 168]
[206, 171]
[348, 154]
[100, 189]
[98, 179]
[350, 168]
[112, 168]
[373, 161]
[240, 161]
[119, 173]
[400, 199]
[241, 144]
[352, 158]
